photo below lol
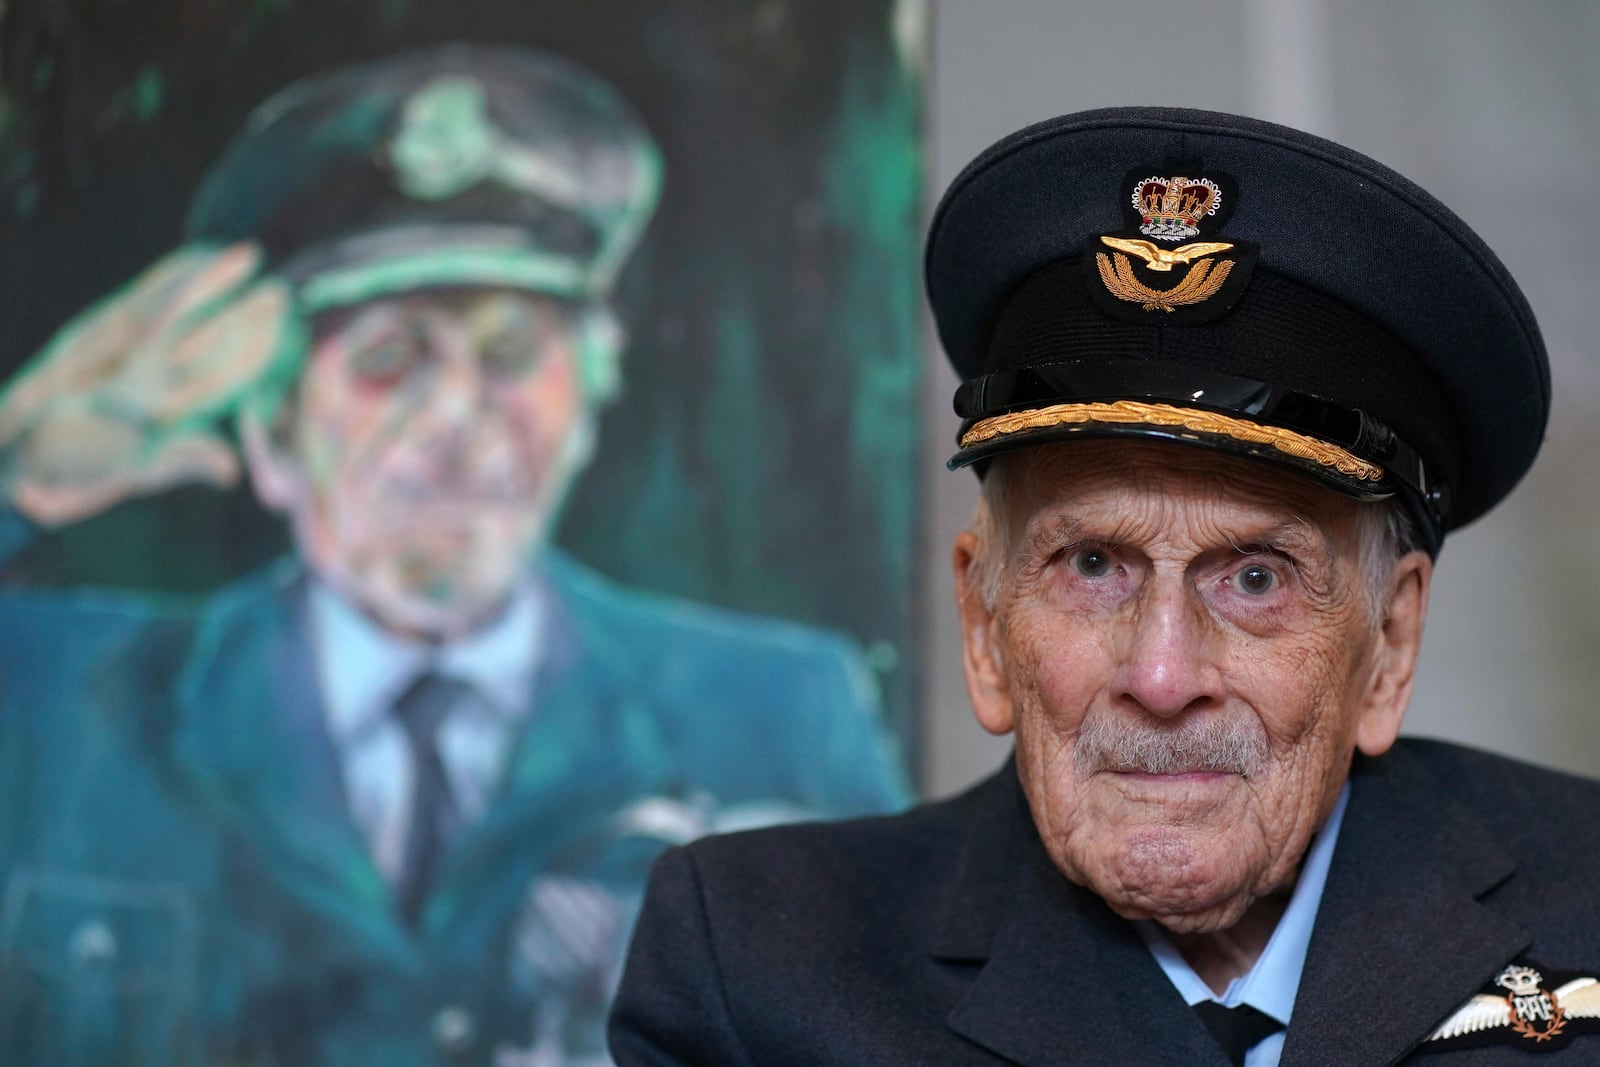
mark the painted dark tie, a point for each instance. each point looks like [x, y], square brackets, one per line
[1237, 1030]
[421, 711]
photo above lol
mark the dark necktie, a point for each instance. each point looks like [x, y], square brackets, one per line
[421, 711]
[1237, 1030]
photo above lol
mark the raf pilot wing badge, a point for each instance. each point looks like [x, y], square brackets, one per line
[1525, 1008]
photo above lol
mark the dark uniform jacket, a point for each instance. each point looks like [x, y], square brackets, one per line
[183, 884]
[945, 937]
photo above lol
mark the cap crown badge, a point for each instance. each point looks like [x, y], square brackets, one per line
[1171, 208]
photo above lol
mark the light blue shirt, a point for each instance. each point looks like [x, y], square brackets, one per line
[1271, 984]
[362, 669]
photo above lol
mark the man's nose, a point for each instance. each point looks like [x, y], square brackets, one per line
[1169, 651]
[456, 389]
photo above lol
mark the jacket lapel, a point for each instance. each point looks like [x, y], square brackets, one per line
[1063, 980]
[589, 748]
[1398, 943]
[1402, 937]
[253, 748]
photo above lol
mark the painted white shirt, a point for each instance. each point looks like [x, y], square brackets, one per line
[1271, 984]
[362, 669]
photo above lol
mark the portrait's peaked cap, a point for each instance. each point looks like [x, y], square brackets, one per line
[461, 164]
[1240, 285]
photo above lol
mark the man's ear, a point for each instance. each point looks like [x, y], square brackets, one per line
[1398, 642]
[980, 651]
[275, 478]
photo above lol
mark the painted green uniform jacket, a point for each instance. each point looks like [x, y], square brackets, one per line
[183, 883]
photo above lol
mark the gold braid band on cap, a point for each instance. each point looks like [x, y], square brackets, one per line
[1137, 413]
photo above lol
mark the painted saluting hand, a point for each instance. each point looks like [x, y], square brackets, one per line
[125, 400]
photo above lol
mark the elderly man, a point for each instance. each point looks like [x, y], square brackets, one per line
[391, 801]
[1228, 386]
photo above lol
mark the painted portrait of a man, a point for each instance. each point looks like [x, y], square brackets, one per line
[390, 796]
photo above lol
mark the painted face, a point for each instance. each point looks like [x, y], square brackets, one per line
[1186, 648]
[434, 437]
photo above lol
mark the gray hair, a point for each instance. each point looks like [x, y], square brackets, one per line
[1385, 531]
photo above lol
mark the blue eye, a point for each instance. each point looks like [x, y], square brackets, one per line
[1092, 562]
[1256, 580]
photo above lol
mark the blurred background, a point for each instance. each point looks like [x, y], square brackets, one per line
[1489, 106]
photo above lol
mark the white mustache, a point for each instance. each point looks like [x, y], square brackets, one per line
[1231, 746]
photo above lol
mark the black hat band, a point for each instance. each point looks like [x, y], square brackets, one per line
[1287, 374]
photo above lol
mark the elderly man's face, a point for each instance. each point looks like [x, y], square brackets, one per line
[1187, 648]
[433, 436]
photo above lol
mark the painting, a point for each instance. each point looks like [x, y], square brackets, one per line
[452, 451]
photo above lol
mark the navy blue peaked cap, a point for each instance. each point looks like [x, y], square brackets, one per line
[1231, 283]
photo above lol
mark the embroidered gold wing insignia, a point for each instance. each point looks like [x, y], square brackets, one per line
[1163, 259]
[1201, 283]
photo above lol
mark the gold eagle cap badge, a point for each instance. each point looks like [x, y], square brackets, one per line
[1168, 265]
[1525, 1005]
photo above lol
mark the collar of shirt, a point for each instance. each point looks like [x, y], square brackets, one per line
[1271, 984]
[363, 668]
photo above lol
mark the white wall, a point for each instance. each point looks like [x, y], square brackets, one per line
[1491, 107]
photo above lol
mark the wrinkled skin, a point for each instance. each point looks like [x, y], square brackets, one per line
[431, 439]
[1154, 585]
